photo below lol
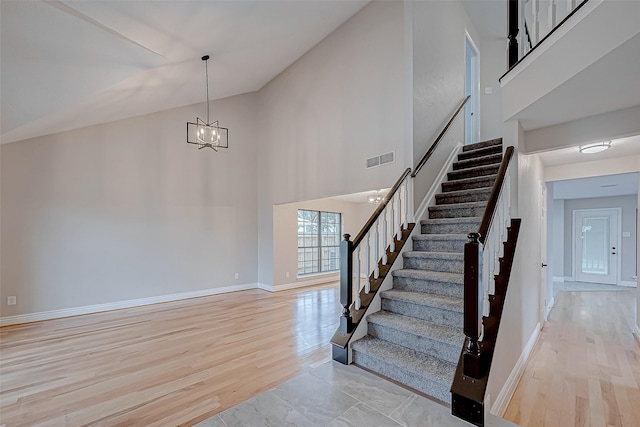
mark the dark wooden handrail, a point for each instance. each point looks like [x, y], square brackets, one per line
[495, 195]
[429, 152]
[374, 216]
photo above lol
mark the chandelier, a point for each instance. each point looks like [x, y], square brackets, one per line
[207, 134]
[375, 198]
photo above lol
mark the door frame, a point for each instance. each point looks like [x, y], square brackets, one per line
[472, 134]
[618, 263]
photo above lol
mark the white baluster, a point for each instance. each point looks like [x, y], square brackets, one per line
[357, 287]
[367, 285]
[406, 204]
[400, 214]
[384, 237]
[376, 272]
[392, 244]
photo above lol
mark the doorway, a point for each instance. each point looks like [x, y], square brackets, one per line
[596, 236]
[471, 88]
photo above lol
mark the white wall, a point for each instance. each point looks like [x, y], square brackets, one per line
[627, 249]
[438, 81]
[493, 63]
[285, 233]
[128, 210]
[523, 306]
[339, 104]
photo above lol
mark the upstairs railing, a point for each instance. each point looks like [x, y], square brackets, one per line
[366, 260]
[530, 22]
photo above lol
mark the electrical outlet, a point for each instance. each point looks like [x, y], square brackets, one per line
[12, 300]
[237, 275]
[287, 274]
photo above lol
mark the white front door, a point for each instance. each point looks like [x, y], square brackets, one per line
[596, 245]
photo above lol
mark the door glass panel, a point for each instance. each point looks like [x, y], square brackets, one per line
[595, 245]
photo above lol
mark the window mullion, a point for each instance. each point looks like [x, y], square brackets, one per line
[319, 242]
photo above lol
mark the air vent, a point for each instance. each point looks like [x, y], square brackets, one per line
[387, 158]
[373, 162]
[380, 160]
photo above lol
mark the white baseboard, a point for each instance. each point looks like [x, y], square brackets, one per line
[435, 187]
[558, 279]
[569, 279]
[629, 283]
[552, 302]
[299, 283]
[97, 308]
[504, 397]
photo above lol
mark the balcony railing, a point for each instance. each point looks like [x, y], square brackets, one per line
[533, 21]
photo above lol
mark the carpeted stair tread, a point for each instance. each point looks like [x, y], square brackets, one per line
[455, 210]
[464, 225]
[444, 256]
[473, 172]
[428, 374]
[482, 144]
[492, 159]
[442, 221]
[425, 299]
[464, 196]
[440, 242]
[422, 328]
[480, 152]
[435, 276]
[436, 261]
[468, 183]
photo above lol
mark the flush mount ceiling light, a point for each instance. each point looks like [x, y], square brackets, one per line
[595, 148]
[207, 134]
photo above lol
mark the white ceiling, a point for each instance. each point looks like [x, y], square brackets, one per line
[66, 65]
[622, 147]
[599, 186]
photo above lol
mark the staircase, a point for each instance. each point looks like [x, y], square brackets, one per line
[417, 337]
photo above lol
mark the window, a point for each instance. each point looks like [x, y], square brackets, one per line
[318, 241]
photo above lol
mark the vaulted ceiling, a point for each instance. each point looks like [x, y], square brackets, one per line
[70, 64]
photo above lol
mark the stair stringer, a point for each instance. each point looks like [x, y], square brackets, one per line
[428, 200]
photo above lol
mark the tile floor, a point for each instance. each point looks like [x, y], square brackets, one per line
[335, 395]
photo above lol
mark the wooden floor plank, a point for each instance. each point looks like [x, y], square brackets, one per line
[585, 369]
[168, 364]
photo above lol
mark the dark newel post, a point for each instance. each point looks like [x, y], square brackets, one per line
[512, 36]
[472, 306]
[346, 283]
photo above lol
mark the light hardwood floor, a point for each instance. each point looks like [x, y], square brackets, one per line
[162, 365]
[585, 368]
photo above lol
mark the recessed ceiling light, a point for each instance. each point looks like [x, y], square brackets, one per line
[595, 148]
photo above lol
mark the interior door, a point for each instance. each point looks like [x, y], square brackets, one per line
[471, 88]
[596, 245]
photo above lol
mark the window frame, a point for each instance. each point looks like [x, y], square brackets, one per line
[317, 268]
